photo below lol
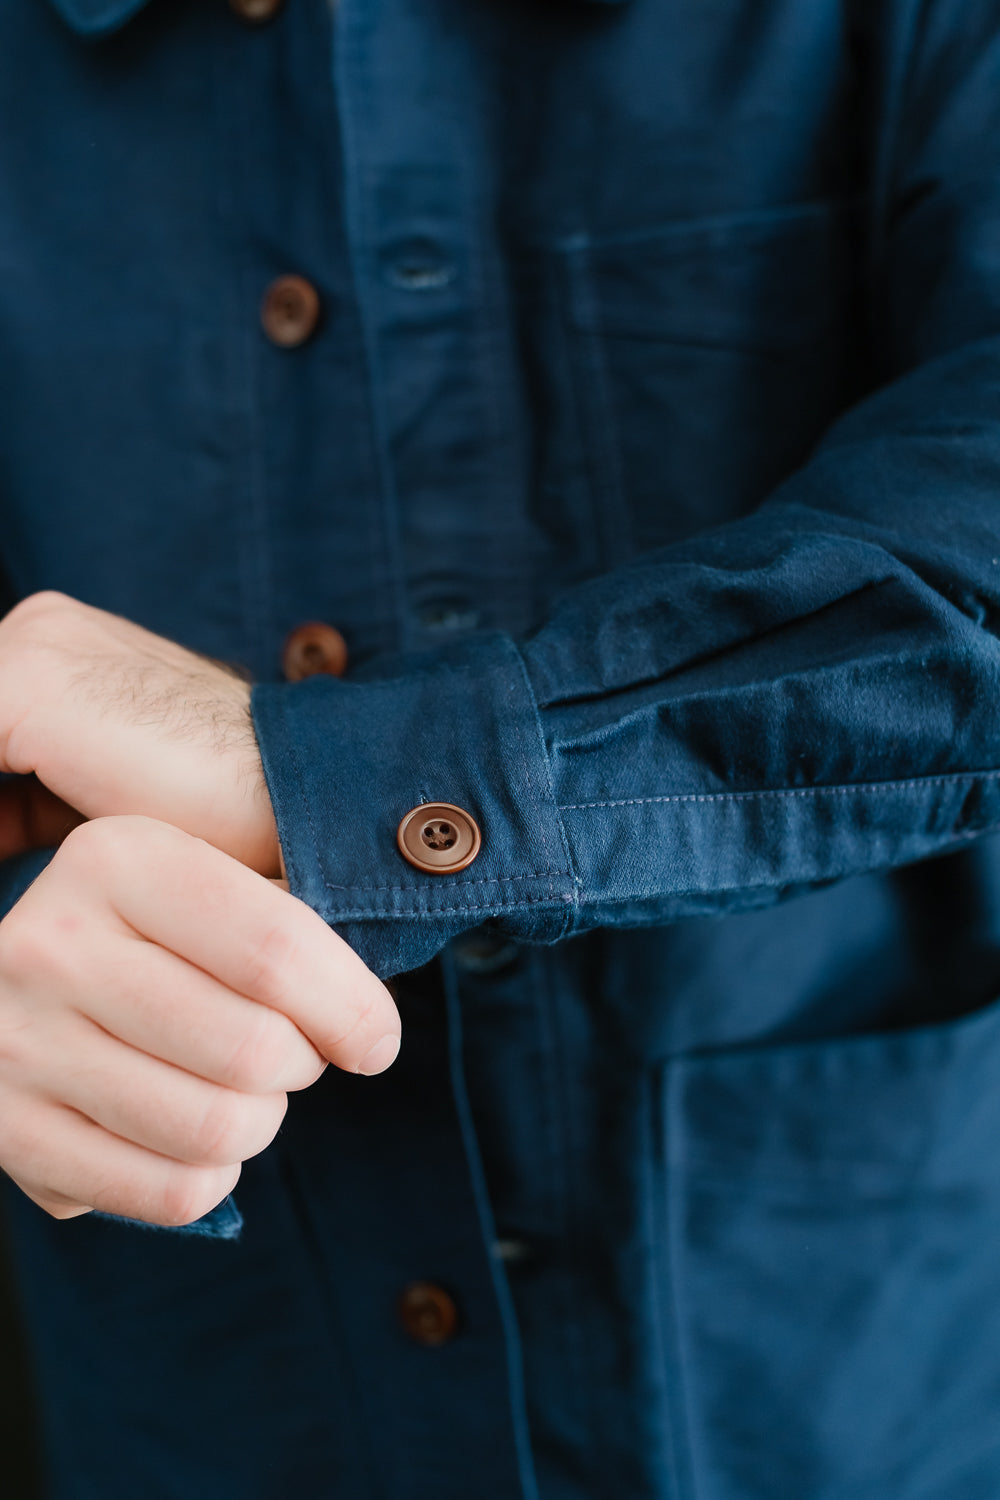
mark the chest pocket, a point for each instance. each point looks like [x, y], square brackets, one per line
[710, 357]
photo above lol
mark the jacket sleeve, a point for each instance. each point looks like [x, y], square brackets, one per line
[804, 694]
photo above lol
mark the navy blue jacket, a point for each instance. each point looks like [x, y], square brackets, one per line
[647, 455]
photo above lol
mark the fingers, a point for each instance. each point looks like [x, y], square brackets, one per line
[156, 1002]
[54, 1206]
[162, 1108]
[62, 1159]
[254, 938]
[52, 1053]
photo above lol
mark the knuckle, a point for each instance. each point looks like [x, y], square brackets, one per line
[309, 1068]
[92, 845]
[218, 1137]
[261, 1056]
[368, 1020]
[269, 965]
[46, 604]
[188, 1194]
[234, 1128]
[22, 1057]
[265, 1123]
[110, 848]
[20, 1154]
[43, 601]
[26, 946]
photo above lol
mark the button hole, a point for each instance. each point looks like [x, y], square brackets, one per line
[417, 276]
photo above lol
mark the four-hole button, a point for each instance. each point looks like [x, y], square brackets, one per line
[439, 838]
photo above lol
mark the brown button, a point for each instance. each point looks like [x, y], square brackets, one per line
[439, 838]
[290, 311]
[313, 649]
[428, 1314]
[256, 12]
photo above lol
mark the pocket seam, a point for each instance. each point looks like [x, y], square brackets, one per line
[725, 226]
[715, 244]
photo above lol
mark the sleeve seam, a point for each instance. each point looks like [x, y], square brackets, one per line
[568, 867]
[844, 790]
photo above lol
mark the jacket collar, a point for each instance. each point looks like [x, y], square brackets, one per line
[101, 17]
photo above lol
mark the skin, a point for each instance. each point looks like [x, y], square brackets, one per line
[161, 992]
[112, 719]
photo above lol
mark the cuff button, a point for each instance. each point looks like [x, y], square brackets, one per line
[439, 838]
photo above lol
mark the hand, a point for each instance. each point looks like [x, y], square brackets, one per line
[158, 1000]
[112, 719]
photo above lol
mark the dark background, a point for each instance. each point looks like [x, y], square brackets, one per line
[19, 1478]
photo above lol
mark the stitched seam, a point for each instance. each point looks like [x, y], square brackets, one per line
[350, 914]
[454, 884]
[552, 869]
[700, 892]
[348, 64]
[568, 867]
[809, 791]
[708, 227]
[242, 406]
[300, 782]
[674, 1181]
[902, 85]
[514, 1371]
[608, 491]
[546, 874]
[865, 1185]
[458, 885]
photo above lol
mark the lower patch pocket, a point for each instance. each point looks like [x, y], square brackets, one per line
[833, 1224]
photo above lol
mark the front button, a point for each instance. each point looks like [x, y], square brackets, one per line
[290, 311]
[439, 838]
[428, 1314]
[312, 650]
[256, 12]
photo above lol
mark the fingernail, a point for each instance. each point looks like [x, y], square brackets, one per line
[381, 1055]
